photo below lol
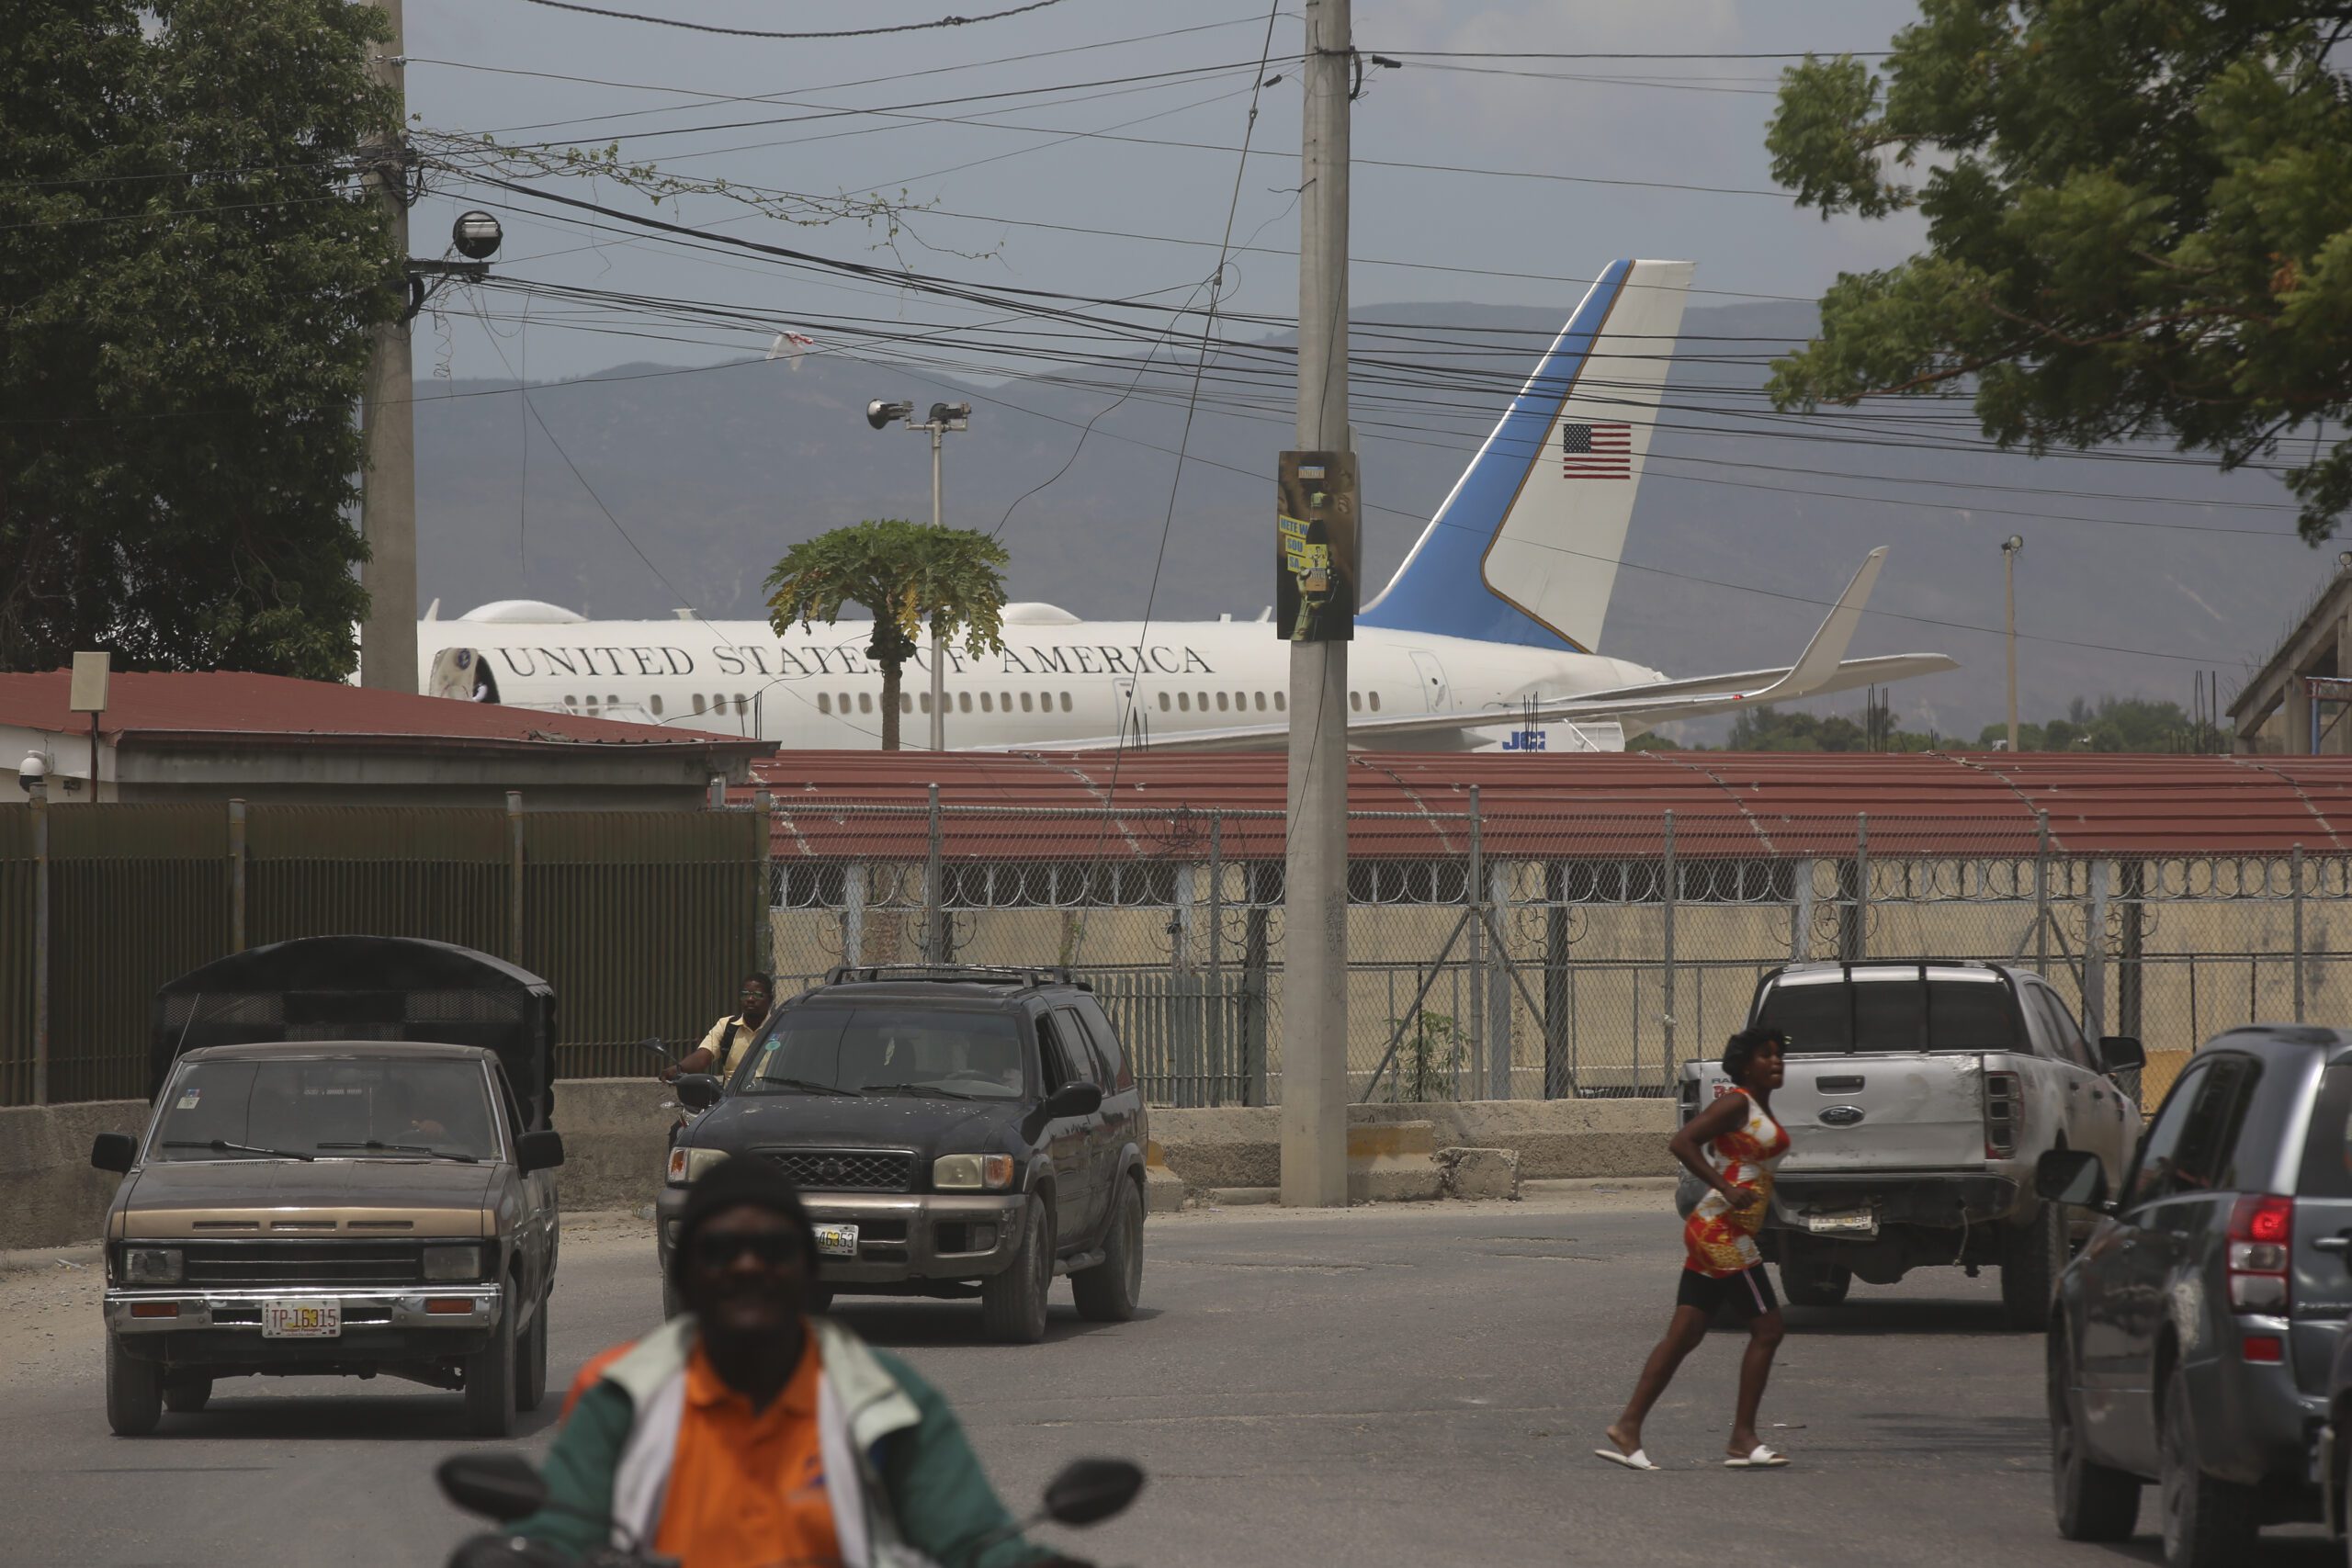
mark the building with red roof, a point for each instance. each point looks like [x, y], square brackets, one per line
[170, 736]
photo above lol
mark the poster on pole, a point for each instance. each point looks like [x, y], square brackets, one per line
[1318, 548]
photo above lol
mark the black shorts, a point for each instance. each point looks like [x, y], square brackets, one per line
[1748, 1294]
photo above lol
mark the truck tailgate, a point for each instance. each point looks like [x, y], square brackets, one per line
[1885, 1111]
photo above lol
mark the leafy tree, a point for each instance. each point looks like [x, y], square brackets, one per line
[2140, 224]
[906, 574]
[2113, 723]
[188, 272]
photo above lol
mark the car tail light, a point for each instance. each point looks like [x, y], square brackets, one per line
[2003, 1114]
[2262, 1240]
[449, 1307]
[154, 1309]
[2265, 1348]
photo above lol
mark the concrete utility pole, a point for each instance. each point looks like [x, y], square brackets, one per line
[2009, 548]
[1314, 896]
[938, 428]
[387, 423]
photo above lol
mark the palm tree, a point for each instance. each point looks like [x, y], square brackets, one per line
[906, 574]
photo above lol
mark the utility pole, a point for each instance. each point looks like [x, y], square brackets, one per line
[2009, 548]
[938, 428]
[387, 421]
[1314, 898]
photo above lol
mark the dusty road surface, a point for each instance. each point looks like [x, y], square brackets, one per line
[1401, 1385]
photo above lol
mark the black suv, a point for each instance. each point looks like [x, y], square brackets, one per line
[2192, 1338]
[956, 1131]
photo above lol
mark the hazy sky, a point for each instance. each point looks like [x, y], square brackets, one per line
[1015, 161]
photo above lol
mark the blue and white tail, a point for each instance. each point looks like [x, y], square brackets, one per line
[1525, 549]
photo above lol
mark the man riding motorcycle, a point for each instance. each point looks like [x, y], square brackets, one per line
[743, 1433]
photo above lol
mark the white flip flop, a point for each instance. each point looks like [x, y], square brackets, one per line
[1760, 1457]
[1637, 1460]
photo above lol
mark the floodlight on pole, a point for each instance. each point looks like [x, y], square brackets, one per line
[476, 235]
[945, 417]
[2010, 547]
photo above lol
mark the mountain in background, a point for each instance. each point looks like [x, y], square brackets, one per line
[1748, 522]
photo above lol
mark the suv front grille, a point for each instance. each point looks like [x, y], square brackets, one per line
[846, 1170]
[304, 1263]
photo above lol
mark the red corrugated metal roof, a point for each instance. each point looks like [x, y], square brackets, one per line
[162, 706]
[1724, 804]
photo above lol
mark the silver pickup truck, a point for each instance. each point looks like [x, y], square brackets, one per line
[1919, 1094]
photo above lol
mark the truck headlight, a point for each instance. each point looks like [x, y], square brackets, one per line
[970, 1173]
[453, 1264]
[151, 1266]
[685, 1163]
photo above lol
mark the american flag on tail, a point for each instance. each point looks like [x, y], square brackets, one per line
[1596, 451]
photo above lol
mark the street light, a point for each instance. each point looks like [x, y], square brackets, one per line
[945, 417]
[2009, 548]
[476, 235]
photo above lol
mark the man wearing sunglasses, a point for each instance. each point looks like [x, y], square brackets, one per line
[743, 1433]
[731, 1036]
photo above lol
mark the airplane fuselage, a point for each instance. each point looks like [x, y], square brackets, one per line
[1056, 682]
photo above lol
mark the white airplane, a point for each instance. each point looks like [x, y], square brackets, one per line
[1484, 639]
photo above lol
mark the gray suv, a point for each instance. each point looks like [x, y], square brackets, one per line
[2192, 1338]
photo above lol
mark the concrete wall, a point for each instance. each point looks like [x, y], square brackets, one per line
[616, 1140]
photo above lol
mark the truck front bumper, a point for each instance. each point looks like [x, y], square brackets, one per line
[224, 1325]
[902, 1237]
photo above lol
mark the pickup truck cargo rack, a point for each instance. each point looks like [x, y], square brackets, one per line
[957, 974]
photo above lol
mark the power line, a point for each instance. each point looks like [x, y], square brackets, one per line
[798, 38]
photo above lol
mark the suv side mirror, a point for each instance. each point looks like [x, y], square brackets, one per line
[117, 1152]
[539, 1151]
[2119, 1051]
[1080, 1099]
[698, 1091]
[2072, 1177]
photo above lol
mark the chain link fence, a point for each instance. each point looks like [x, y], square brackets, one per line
[1522, 956]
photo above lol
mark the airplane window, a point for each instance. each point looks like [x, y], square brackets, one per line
[1281, 702]
[1262, 702]
[1184, 701]
[906, 703]
[1355, 701]
[743, 703]
[865, 702]
[1005, 700]
[988, 703]
[964, 702]
[1065, 702]
[1221, 702]
[1163, 702]
[1024, 701]
[657, 704]
[612, 702]
[1241, 701]
[842, 702]
[1376, 702]
[1205, 701]
[824, 703]
[571, 702]
[925, 700]
[697, 702]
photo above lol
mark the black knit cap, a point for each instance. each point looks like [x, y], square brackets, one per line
[746, 1181]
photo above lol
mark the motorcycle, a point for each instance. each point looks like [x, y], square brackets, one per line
[665, 1073]
[505, 1488]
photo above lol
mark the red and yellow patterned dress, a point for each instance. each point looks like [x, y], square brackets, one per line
[1720, 1240]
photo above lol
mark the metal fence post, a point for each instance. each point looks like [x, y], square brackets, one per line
[2041, 894]
[2095, 950]
[1475, 895]
[1668, 891]
[1559, 1047]
[514, 879]
[1500, 973]
[237, 876]
[1220, 1038]
[763, 897]
[40, 948]
[934, 899]
[2297, 871]
[1801, 912]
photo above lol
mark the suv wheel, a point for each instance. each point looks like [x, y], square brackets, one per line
[2208, 1523]
[134, 1392]
[531, 1362]
[1012, 1304]
[2032, 1257]
[1109, 1291]
[186, 1394]
[1814, 1281]
[2093, 1502]
[489, 1379]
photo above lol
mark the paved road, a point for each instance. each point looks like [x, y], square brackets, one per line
[1394, 1385]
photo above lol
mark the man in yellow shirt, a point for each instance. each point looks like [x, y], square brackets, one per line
[744, 1434]
[732, 1035]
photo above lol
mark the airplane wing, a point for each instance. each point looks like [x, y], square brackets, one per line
[1823, 668]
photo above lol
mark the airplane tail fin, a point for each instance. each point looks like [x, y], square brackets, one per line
[1525, 549]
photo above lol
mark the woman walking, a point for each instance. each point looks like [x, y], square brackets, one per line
[1733, 1146]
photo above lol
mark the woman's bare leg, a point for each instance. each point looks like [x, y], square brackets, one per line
[1684, 1332]
[1755, 1368]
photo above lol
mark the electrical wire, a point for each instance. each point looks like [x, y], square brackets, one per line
[794, 38]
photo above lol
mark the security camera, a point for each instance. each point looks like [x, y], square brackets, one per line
[32, 772]
[879, 414]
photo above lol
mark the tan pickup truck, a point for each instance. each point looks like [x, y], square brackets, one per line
[339, 1208]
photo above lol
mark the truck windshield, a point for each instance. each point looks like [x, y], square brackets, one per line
[886, 1051]
[1899, 1013]
[327, 1110]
